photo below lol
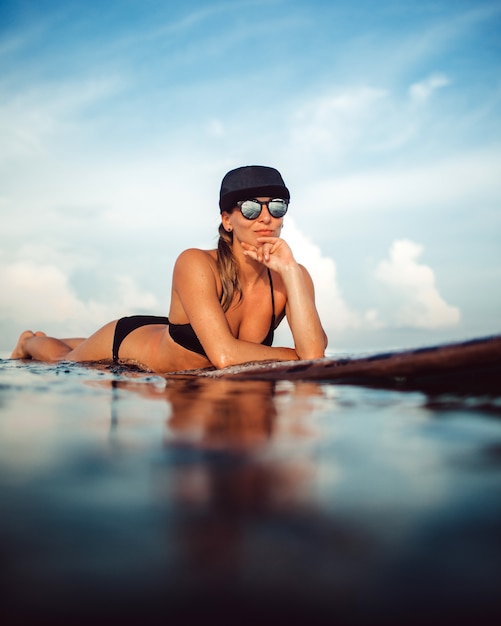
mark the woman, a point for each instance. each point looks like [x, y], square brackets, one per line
[224, 301]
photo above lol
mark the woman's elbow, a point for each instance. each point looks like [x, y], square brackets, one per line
[315, 354]
[220, 362]
[222, 358]
[313, 350]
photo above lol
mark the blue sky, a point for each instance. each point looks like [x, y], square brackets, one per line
[119, 119]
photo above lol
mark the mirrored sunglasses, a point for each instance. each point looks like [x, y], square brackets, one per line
[251, 209]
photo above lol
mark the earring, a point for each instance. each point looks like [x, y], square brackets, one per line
[230, 229]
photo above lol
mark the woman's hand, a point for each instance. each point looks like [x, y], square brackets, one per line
[272, 252]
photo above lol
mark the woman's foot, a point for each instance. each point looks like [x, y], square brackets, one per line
[20, 351]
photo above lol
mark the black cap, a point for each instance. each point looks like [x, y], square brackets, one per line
[251, 181]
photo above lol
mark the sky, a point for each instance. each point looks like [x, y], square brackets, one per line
[119, 119]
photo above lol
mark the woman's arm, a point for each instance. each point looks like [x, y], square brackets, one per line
[195, 295]
[309, 336]
[310, 339]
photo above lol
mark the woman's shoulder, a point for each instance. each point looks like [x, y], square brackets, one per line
[197, 255]
[196, 259]
[195, 268]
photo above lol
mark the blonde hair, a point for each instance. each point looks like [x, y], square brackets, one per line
[228, 268]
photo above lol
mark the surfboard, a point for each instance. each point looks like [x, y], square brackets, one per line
[473, 365]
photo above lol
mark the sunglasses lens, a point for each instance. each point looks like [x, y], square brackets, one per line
[250, 209]
[277, 208]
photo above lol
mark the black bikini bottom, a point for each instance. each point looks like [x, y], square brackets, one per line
[126, 325]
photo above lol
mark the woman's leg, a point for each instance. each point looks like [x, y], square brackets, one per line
[38, 346]
[73, 342]
[42, 348]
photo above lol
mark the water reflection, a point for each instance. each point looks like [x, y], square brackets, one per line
[225, 415]
[253, 433]
[237, 487]
[233, 414]
[141, 500]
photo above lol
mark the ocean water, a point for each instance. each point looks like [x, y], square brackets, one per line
[126, 498]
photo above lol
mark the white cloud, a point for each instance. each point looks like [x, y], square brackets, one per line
[36, 288]
[411, 297]
[335, 120]
[41, 296]
[335, 314]
[415, 298]
[422, 91]
[130, 296]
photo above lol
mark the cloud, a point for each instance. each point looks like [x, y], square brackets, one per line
[335, 120]
[422, 91]
[41, 295]
[38, 291]
[334, 312]
[406, 291]
[414, 296]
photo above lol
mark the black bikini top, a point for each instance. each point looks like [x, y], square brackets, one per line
[185, 336]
